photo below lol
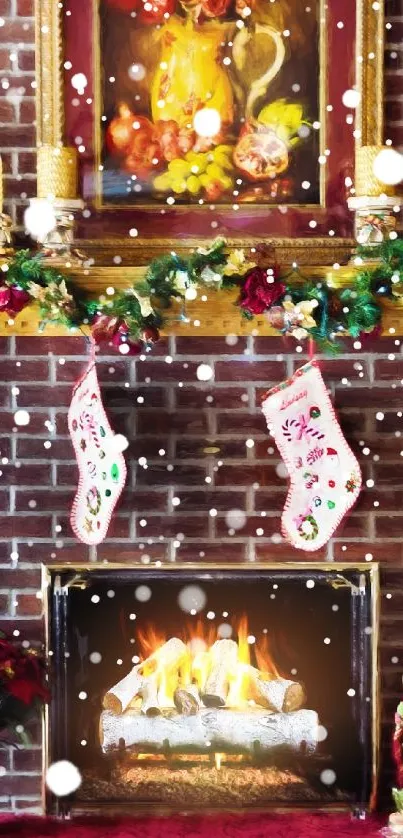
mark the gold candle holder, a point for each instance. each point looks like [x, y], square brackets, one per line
[6, 224]
[366, 183]
[57, 172]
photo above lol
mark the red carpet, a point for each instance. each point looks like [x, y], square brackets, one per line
[226, 826]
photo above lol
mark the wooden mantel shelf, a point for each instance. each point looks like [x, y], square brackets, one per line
[212, 313]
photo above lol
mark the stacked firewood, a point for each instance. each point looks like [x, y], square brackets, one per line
[173, 700]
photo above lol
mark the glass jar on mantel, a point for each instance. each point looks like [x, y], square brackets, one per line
[57, 185]
[374, 204]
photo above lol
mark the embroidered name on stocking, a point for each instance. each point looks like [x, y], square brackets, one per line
[325, 478]
[101, 464]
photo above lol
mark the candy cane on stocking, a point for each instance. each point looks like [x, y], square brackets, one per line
[102, 468]
[325, 478]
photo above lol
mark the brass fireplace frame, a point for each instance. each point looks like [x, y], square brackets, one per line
[372, 571]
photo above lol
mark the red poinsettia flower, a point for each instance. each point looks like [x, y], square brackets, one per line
[27, 691]
[260, 290]
[8, 651]
[21, 673]
[13, 299]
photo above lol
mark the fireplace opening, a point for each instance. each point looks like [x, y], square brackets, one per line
[194, 689]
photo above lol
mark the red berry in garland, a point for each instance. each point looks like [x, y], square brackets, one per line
[151, 334]
[122, 342]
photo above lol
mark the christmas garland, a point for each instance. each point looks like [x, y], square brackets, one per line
[130, 319]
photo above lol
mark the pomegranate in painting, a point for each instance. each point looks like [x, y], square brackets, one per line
[261, 154]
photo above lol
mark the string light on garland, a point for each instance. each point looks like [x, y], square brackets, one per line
[131, 319]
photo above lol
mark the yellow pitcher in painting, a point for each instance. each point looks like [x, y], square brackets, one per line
[190, 74]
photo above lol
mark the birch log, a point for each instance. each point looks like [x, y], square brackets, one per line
[172, 655]
[224, 661]
[279, 695]
[187, 699]
[211, 730]
[149, 694]
[118, 698]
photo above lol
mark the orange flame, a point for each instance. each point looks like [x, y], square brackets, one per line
[200, 636]
[149, 640]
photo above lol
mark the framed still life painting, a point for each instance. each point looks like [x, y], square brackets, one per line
[197, 118]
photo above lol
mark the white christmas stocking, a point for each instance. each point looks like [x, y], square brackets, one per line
[325, 478]
[101, 464]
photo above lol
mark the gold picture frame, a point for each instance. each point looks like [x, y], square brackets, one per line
[307, 250]
[52, 571]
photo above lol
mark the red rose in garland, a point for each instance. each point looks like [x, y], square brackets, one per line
[260, 290]
[13, 299]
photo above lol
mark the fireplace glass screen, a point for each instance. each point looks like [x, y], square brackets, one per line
[191, 688]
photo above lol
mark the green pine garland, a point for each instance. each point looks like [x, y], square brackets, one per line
[293, 303]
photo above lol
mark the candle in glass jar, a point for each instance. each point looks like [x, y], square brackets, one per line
[57, 172]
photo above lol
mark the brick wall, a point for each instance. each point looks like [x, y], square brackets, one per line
[173, 412]
[175, 422]
[17, 104]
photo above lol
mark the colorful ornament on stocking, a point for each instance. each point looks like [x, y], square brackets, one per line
[100, 461]
[325, 478]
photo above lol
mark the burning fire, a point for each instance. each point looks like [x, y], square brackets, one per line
[178, 680]
[199, 638]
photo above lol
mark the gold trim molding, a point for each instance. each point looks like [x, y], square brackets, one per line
[49, 73]
[283, 251]
[370, 46]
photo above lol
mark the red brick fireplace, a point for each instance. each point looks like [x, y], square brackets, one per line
[197, 442]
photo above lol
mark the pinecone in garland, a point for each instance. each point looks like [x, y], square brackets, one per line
[334, 305]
